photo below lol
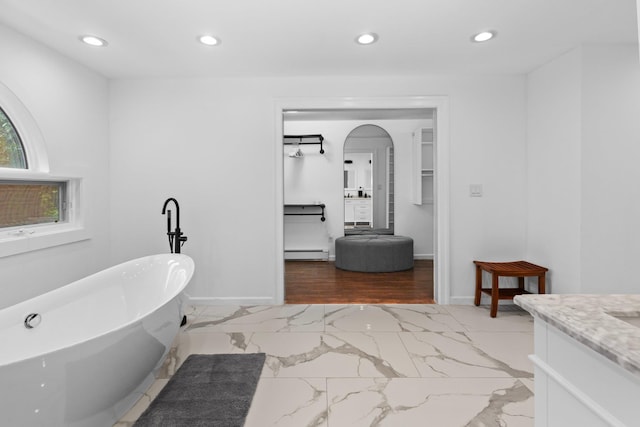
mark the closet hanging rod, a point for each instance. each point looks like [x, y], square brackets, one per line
[304, 140]
[303, 206]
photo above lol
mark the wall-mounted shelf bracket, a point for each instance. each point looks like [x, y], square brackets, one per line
[304, 140]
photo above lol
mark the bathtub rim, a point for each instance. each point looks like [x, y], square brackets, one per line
[20, 310]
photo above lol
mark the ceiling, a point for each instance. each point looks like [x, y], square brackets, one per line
[157, 38]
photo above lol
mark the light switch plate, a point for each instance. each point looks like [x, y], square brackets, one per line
[475, 190]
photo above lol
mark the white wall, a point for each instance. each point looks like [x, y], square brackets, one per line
[610, 169]
[69, 105]
[210, 144]
[582, 161]
[320, 178]
[638, 20]
[314, 178]
[554, 94]
[487, 148]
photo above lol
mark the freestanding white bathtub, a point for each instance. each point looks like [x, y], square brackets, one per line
[93, 345]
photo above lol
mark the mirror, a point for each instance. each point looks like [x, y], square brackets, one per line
[368, 181]
[357, 174]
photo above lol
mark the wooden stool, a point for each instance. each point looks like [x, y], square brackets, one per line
[519, 269]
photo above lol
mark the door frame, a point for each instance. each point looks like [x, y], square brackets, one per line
[442, 263]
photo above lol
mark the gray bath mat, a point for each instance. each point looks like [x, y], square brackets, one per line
[207, 390]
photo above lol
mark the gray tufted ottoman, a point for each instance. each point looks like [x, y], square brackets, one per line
[374, 253]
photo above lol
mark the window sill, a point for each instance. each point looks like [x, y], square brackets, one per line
[28, 239]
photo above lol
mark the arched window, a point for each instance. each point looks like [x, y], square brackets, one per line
[11, 149]
[37, 209]
[25, 202]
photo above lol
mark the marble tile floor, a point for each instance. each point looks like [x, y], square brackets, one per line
[370, 365]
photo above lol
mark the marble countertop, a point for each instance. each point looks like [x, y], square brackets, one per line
[590, 320]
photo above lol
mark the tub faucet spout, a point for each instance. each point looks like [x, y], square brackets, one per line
[176, 238]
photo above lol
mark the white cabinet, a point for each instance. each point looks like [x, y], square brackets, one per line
[577, 386]
[349, 212]
[357, 211]
[423, 165]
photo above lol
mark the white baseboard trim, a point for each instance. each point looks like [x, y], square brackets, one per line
[231, 301]
[306, 254]
[415, 256]
[461, 300]
[486, 299]
[466, 300]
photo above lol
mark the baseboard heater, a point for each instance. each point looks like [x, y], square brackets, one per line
[306, 254]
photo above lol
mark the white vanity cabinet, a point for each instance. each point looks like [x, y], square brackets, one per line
[357, 211]
[587, 361]
[576, 386]
[349, 212]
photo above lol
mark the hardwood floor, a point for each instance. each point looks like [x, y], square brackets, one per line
[320, 282]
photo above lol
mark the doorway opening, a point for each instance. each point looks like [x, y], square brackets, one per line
[343, 115]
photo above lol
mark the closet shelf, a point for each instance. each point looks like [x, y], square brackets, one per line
[304, 140]
[303, 210]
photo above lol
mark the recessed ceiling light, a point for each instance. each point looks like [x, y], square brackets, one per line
[209, 40]
[484, 36]
[94, 41]
[367, 38]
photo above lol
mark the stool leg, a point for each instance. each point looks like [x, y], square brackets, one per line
[478, 285]
[541, 284]
[494, 295]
